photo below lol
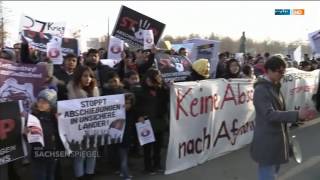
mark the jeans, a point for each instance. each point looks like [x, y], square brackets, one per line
[43, 169]
[84, 165]
[268, 172]
[124, 170]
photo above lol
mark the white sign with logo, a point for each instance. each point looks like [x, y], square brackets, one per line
[29, 23]
[115, 48]
[54, 51]
[148, 39]
[145, 132]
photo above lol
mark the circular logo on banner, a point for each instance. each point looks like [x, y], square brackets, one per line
[149, 40]
[115, 49]
[54, 53]
[145, 133]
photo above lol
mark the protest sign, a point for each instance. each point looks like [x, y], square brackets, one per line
[298, 87]
[109, 62]
[54, 28]
[173, 67]
[189, 48]
[314, 39]
[11, 147]
[130, 25]
[148, 40]
[21, 82]
[115, 48]
[54, 51]
[35, 134]
[39, 41]
[91, 122]
[145, 132]
[297, 54]
[207, 49]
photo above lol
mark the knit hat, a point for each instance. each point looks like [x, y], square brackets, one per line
[202, 67]
[49, 95]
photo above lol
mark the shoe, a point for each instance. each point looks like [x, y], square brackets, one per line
[151, 172]
[159, 170]
[128, 177]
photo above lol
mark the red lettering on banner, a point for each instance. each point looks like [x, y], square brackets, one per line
[6, 126]
[194, 102]
[228, 98]
[179, 102]
[302, 89]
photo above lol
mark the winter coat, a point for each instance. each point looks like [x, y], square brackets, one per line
[153, 103]
[270, 144]
[64, 79]
[52, 141]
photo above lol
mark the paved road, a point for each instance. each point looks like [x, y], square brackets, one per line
[236, 165]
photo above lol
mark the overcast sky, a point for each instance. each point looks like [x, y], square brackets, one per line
[181, 18]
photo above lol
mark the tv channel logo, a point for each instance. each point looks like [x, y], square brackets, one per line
[289, 12]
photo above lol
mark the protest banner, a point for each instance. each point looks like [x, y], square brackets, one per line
[130, 25]
[314, 39]
[11, 145]
[297, 54]
[298, 87]
[35, 135]
[189, 48]
[21, 82]
[91, 122]
[173, 67]
[208, 119]
[148, 40]
[54, 28]
[39, 41]
[109, 62]
[207, 49]
[145, 132]
[115, 48]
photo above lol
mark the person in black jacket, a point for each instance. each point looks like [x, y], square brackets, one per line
[233, 69]
[45, 110]
[152, 104]
[64, 74]
[93, 61]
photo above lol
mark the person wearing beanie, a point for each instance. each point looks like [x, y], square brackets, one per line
[200, 70]
[44, 109]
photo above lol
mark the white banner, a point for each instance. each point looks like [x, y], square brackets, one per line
[208, 119]
[91, 122]
[145, 132]
[148, 40]
[29, 23]
[115, 48]
[213, 117]
[298, 87]
[54, 51]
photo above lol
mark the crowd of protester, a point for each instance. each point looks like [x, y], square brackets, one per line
[146, 97]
